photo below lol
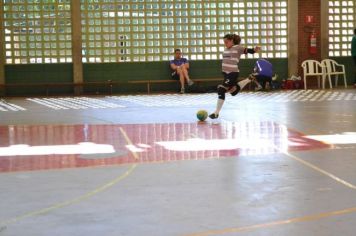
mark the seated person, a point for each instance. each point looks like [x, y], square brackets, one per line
[180, 67]
[263, 72]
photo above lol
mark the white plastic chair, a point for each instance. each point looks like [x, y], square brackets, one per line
[314, 68]
[333, 68]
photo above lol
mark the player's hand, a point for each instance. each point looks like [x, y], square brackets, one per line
[257, 48]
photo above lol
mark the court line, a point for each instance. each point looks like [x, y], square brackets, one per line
[3, 224]
[128, 140]
[292, 220]
[276, 223]
[314, 167]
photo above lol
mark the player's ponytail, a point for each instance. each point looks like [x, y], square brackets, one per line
[234, 37]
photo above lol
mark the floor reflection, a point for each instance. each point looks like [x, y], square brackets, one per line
[39, 147]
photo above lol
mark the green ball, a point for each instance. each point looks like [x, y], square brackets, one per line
[202, 115]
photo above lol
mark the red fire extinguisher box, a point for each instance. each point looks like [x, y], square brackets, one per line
[312, 43]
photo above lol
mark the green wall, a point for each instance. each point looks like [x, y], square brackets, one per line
[118, 72]
[38, 73]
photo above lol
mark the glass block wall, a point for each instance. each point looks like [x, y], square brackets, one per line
[37, 31]
[149, 30]
[342, 21]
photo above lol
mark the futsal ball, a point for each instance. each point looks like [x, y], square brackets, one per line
[202, 115]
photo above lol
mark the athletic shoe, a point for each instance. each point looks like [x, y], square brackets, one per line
[258, 88]
[182, 90]
[213, 116]
[190, 82]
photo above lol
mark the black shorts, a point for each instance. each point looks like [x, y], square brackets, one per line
[230, 79]
[262, 79]
[175, 75]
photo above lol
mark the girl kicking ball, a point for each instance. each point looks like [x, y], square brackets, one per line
[230, 69]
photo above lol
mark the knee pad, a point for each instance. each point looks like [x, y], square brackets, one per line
[236, 91]
[221, 92]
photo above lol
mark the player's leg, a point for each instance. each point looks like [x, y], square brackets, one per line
[229, 82]
[181, 79]
[221, 99]
[240, 85]
[269, 81]
[254, 78]
[258, 85]
[244, 82]
[186, 76]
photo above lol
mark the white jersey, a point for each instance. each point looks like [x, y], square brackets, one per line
[231, 58]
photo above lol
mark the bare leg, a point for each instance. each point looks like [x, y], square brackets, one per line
[186, 75]
[243, 83]
[181, 77]
[219, 105]
[221, 99]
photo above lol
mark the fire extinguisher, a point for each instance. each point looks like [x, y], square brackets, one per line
[312, 46]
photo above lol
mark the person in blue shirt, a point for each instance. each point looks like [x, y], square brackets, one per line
[180, 67]
[263, 72]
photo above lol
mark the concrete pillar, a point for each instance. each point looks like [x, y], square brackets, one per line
[324, 30]
[292, 37]
[77, 46]
[2, 45]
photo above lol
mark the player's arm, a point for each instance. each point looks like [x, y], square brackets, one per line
[252, 50]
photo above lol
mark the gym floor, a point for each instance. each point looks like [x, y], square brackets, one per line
[277, 163]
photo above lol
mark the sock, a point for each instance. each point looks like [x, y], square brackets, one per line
[243, 83]
[219, 105]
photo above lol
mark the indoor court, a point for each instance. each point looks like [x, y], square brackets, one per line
[92, 143]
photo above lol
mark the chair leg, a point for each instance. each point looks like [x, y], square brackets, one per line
[336, 80]
[330, 84]
[319, 82]
[345, 80]
[322, 82]
[305, 83]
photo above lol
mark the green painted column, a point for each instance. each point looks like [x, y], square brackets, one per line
[77, 46]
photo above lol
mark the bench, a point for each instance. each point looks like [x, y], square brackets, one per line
[161, 81]
[107, 84]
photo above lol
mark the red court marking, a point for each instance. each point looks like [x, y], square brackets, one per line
[151, 142]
